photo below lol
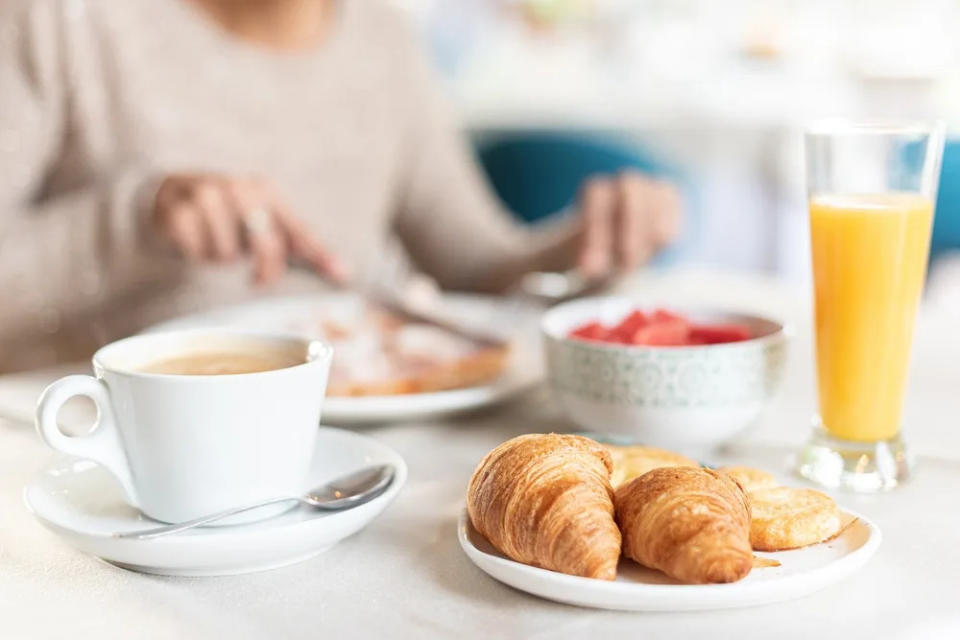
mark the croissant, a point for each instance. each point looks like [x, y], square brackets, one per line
[545, 500]
[692, 524]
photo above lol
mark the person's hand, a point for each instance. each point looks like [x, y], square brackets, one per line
[217, 218]
[626, 219]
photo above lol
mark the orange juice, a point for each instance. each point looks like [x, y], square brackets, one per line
[869, 261]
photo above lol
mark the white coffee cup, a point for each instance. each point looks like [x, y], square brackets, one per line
[184, 446]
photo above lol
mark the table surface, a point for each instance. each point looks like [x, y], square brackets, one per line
[406, 577]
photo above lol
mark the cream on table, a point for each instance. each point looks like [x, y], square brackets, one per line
[406, 577]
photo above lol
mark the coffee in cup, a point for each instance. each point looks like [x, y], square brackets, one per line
[219, 363]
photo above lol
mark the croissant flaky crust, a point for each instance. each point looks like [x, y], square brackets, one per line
[692, 524]
[545, 500]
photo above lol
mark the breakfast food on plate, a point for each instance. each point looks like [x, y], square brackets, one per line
[789, 518]
[630, 462]
[751, 479]
[785, 517]
[661, 328]
[692, 524]
[382, 353]
[545, 500]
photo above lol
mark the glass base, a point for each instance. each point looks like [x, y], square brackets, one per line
[866, 467]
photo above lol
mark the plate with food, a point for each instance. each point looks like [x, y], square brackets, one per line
[388, 366]
[570, 519]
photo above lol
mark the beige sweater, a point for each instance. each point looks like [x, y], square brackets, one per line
[100, 98]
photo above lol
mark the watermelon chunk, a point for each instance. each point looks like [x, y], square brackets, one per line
[591, 331]
[625, 331]
[662, 315]
[661, 328]
[666, 333]
[720, 333]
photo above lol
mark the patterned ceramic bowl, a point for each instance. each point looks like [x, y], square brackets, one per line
[682, 397]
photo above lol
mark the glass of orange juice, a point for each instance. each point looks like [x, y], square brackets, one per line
[872, 188]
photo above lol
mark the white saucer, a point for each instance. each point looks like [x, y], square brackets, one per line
[83, 504]
[802, 572]
[299, 313]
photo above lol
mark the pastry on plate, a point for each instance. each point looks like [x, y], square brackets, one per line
[545, 500]
[693, 524]
[784, 517]
[789, 518]
[631, 462]
[382, 353]
[751, 479]
[478, 367]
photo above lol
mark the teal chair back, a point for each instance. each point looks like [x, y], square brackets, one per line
[537, 174]
[946, 223]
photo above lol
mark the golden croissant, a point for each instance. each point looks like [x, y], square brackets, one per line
[692, 524]
[545, 500]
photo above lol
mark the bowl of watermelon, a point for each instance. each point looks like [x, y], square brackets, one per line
[684, 378]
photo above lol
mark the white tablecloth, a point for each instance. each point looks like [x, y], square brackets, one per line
[406, 577]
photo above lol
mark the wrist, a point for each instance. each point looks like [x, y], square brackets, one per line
[143, 209]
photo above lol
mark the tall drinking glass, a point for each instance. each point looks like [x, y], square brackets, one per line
[872, 189]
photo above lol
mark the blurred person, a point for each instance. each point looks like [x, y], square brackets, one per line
[159, 157]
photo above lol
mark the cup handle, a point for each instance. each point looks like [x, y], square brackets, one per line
[102, 443]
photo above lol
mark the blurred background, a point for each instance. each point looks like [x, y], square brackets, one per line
[110, 149]
[714, 94]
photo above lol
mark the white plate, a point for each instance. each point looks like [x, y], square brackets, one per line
[82, 503]
[802, 571]
[292, 313]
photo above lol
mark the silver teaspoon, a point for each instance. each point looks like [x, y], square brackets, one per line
[347, 491]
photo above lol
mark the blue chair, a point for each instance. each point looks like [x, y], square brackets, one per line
[946, 223]
[537, 174]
